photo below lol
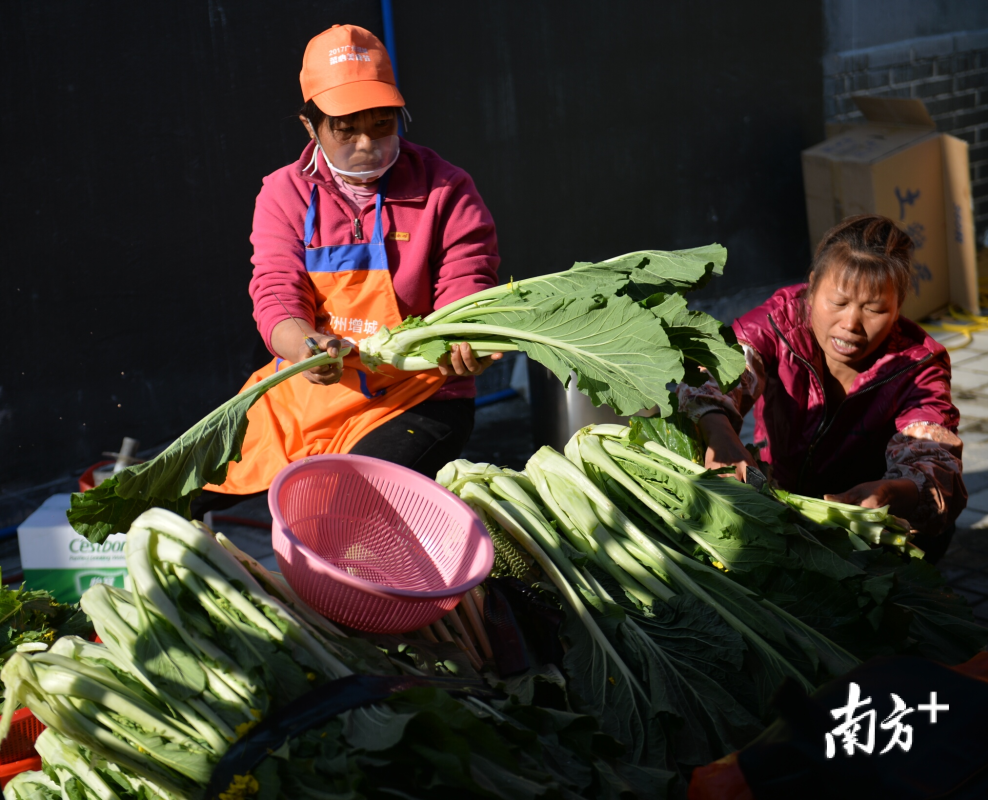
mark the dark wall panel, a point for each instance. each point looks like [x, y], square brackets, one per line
[594, 129]
[135, 136]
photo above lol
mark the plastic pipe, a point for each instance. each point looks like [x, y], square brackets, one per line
[387, 15]
[494, 397]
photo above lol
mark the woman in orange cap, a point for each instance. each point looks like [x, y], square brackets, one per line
[363, 230]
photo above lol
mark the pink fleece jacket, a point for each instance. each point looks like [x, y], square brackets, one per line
[450, 250]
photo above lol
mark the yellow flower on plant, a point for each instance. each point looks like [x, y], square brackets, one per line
[241, 787]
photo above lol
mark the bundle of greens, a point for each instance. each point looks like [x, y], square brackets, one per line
[659, 669]
[209, 643]
[689, 597]
[34, 786]
[74, 772]
[843, 572]
[622, 326]
[190, 660]
[865, 527]
[78, 690]
[34, 616]
[867, 599]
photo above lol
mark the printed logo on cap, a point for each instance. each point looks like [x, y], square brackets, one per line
[348, 52]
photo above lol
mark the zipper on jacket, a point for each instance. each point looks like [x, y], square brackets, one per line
[823, 393]
[358, 232]
[825, 426]
[880, 383]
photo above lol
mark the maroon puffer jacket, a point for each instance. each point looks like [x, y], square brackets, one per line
[909, 383]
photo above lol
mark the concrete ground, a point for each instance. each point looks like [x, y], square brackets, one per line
[965, 564]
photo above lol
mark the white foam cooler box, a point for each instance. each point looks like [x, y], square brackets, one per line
[56, 558]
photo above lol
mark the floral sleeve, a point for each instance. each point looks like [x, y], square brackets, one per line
[929, 455]
[695, 401]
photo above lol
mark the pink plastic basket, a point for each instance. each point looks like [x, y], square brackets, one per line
[373, 545]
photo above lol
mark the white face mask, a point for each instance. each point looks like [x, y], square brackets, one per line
[365, 165]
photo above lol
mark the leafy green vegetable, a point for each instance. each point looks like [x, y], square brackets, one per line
[633, 662]
[201, 651]
[738, 526]
[444, 750]
[32, 786]
[831, 599]
[33, 615]
[639, 275]
[870, 525]
[703, 340]
[689, 597]
[191, 659]
[621, 355]
[658, 557]
[620, 325]
[597, 320]
[693, 664]
[79, 774]
[677, 433]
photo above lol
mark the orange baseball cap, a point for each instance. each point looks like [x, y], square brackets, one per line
[346, 69]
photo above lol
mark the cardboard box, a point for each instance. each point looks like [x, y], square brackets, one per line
[897, 165]
[56, 558]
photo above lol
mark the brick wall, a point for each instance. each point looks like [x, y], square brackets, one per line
[949, 73]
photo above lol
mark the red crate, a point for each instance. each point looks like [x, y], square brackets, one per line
[8, 771]
[24, 732]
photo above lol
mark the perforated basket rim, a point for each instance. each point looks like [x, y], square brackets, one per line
[321, 565]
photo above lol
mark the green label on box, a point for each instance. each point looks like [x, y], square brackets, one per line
[67, 585]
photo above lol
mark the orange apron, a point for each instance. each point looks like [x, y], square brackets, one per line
[296, 418]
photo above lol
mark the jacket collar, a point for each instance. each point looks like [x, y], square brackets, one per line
[908, 344]
[408, 175]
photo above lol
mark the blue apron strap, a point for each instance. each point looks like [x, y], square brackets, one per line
[383, 188]
[377, 237]
[310, 215]
[363, 387]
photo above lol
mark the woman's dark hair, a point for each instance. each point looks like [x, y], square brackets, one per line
[868, 248]
[315, 115]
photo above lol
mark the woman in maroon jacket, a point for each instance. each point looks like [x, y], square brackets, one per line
[852, 401]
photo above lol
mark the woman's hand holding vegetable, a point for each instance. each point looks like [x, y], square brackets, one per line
[724, 447]
[901, 495]
[463, 362]
[288, 341]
